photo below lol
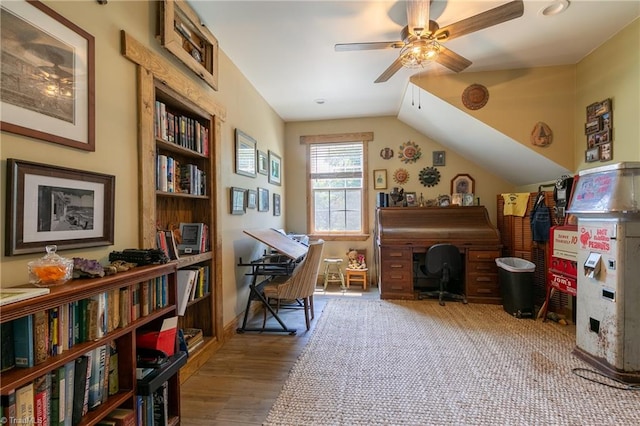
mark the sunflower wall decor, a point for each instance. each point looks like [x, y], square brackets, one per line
[409, 152]
[401, 176]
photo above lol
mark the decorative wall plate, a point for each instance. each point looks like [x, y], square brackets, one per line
[409, 152]
[386, 153]
[475, 96]
[429, 176]
[401, 176]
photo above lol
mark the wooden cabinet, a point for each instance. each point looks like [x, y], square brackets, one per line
[481, 276]
[396, 279]
[122, 335]
[159, 83]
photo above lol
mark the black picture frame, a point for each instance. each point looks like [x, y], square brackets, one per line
[245, 154]
[51, 205]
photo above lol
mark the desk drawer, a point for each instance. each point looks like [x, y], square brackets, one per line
[396, 254]
[485, 285]
[483, 255]
[482, 267]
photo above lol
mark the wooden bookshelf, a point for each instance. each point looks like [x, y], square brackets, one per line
[159, 81]
[124, 336]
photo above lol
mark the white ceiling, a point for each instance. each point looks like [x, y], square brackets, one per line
[286, 50]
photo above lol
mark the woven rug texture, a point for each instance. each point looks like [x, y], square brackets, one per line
[376, 362]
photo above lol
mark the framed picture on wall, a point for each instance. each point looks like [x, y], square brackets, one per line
[263, 200]
[48, 76]
[237, 200]
[380, 179]
[245, 154]
[275, 168]
[276, 204]
[462, 184]
[54, 205]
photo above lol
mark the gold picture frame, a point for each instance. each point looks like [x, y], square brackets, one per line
[380, 179]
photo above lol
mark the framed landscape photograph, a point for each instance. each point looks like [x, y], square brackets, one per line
[275, 168]
[245, 154]
[237, 200]
[55, 205]
[47, 89]
[263, 200]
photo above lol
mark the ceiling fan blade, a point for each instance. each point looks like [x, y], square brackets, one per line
[452, 60]
[389, 72]
[418, 16]
[375, 45]
[491, 17]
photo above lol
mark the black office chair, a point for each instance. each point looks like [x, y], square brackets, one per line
[443, 261]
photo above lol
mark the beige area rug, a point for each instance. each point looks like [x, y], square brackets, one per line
[418, 363]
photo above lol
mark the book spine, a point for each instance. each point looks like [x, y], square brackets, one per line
[114, 385]
[9, 405]
[7, 349]
[41, 336]
[25, 409]
[58, 389]
[69, 370]
[23, 329]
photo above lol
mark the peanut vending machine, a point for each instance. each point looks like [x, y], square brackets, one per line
[606, 202]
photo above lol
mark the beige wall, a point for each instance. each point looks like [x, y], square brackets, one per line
[389, 132]
[609, 72]
[116, 142]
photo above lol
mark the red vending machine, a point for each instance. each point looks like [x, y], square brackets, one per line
[562, 274]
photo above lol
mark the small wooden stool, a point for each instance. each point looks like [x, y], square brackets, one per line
[333, 272]
[357, 276]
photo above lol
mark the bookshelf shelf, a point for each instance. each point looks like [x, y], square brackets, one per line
[120, 333]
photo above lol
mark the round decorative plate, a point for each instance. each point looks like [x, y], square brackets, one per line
[386, 153]
[475, 96]
[429, 176]
[401, 176]
[409, 152]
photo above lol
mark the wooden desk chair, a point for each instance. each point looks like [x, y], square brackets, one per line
[300, 285]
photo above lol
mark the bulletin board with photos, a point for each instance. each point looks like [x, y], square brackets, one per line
[599, 132]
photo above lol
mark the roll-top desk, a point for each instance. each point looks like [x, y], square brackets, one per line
[405, 231]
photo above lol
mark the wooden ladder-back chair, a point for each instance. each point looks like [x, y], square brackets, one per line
[300, 285]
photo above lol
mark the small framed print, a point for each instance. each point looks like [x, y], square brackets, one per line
[245, 154]
[592, 154]
[275, 168]
[603, 107]
[412, 199]
[602, 137]
[380, 179]
[593, 125]
[606, 151]
[237, 200]
[252, 198]
[456, 199]
[263, 200]
[263, 163]
[467, 199]
[462, 184]
[276, 204]
[607, 122]
[439, 158]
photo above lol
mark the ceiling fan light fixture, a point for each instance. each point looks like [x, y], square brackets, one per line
[417, 53]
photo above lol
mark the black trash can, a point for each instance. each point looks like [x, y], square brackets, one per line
[516, 285]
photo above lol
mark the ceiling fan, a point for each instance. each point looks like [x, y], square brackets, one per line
[422, 37]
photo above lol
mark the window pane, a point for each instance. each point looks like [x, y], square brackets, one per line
[336, 180]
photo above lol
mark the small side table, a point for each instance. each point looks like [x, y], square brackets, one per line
[333, 272]
[357, 276]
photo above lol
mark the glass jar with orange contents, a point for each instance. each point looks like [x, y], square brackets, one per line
[51, 269]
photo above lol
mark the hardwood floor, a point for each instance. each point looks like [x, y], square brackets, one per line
[240, 383]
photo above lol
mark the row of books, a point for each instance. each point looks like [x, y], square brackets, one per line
[63, 396]
[193, 283]
[30, 340]
[153, 410]
[172, 176]
[184, 131]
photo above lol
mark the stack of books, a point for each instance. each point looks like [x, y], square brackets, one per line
[193, 337]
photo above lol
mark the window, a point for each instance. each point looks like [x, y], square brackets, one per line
[337, 188]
